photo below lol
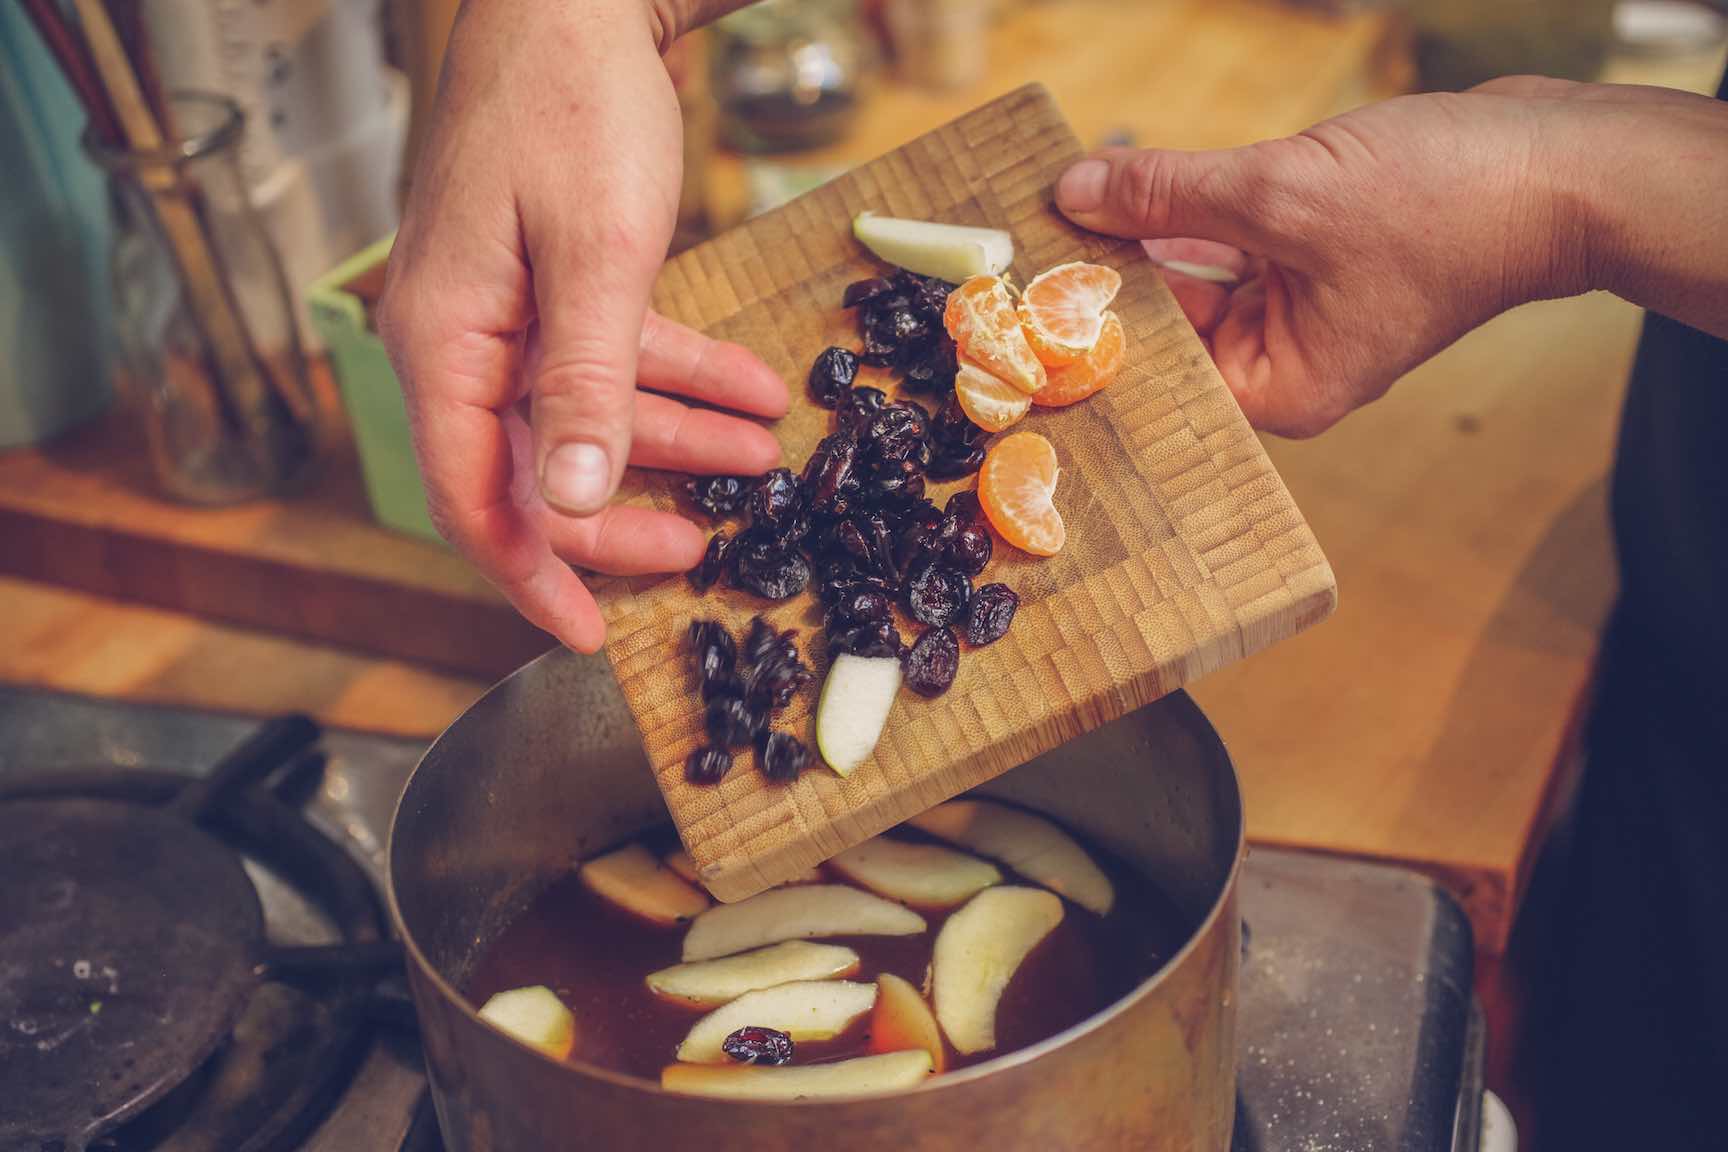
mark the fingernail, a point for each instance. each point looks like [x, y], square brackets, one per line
[1081, 188]
[574, 477]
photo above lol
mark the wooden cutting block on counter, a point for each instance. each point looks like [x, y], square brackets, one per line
[1185, 552]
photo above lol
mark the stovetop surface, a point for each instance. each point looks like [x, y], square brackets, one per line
[1355, 1024]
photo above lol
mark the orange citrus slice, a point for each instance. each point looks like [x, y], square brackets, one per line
[981, 319]
[1015, 488]
[1062, 310]
[1091, 372]
[988, 401]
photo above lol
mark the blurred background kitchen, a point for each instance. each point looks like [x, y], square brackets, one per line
[207, 494]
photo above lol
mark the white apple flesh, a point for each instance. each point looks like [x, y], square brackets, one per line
[1031, 845]
[635, 880]
[711, 983]
[797, 913]
[534, 1016]
[861, 1076]
[928, 875]
[856, 699]
[977, 953]
[804, 1010]
[951, 252]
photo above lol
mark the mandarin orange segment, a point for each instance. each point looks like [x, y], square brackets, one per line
[988, 400]
[1062, 310]
[981, 318]
[1015, 489]
[1091, 372]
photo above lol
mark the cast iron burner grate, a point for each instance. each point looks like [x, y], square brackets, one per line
[144, 1006]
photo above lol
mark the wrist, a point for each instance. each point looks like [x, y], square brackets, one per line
[670, 19]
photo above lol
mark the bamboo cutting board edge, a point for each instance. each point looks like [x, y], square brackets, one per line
[1185, 552]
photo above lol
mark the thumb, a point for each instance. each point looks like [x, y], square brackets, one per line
[590, 299]
[1155, 193]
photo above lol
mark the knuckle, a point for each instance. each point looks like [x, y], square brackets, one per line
[1145, 184]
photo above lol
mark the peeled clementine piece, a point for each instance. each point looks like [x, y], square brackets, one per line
[980, 317]
[1062, 310]
[1015, 489]
[988, 400]
[1091, 372]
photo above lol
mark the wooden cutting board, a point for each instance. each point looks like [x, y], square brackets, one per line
[1184, 550]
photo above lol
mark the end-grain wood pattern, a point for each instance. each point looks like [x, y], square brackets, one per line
[1184, 550]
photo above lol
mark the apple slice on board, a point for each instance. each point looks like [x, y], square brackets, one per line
[711, 983]
[951, 252]
[902, 1022]
[804, 1010]
[1031, 845]
[856, 699]
[632, 878]
[861, 1076]
[977, 953]
[534, 1016]
[797, 913]
[680, 862]
[924, 874]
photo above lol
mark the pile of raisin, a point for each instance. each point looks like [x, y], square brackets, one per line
[739, 706]
[857, 524]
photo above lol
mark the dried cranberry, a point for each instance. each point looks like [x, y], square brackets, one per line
[951, 463]
[840, 586]
[860, 291]
[860, 408]
[725, 684]
[865, 606]
[707, 765]
[775, 501]
[932, 663]
[781, 756]
[828, 472]
[760, 640]
[917, 534]
[970, 550]
[772, 684]
[898, 431]
[712, 649]
[729, 721]
[713, 562]
[718, 496]
[768, 567]
[758, 1046]
[990, 613]
[936, 594]
[951, 427]
[832, 375]
[873, 638]
[964, 507]
[934, 366]
[896, 481]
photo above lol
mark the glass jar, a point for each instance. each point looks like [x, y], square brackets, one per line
[787, 75]
[210, 348]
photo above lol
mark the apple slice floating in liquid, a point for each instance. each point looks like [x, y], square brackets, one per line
[534, 1016]
[925, 874]
[711, 983]
[1031, 845]
[861, 1076]
[902, 1022]
[977, 953]
[804, 1010]
[797, 913]
[635, 880]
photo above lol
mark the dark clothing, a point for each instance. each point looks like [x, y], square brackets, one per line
[1627, 958]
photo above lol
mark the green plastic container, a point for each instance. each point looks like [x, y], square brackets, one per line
[371, 395]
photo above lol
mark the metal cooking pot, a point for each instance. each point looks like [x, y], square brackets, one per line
[547, 768]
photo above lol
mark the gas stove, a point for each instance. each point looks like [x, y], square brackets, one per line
[1357, 1029]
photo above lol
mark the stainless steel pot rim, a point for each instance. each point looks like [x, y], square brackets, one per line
[1188, 714]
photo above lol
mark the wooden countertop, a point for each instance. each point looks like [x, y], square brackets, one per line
[1464, 515]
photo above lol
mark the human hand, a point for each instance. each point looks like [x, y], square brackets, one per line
[1370, 242]
[516, 309]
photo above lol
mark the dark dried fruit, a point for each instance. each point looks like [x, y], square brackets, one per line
[758, 1046]
[932, 663]
[726, 684]
[951, 463]
[713, 563]
[970, 550]
[964, 507]
[772, 684]
[707, 765]
[840, 586]
[730, 722]
[775, 501]
[898, 432]
[860, 291]
[896, 481]
[719, 496]
[768, 567]
[864, 606]
[934, 367]
[952, 428]
[781, 756]
[712, 650]
[917, 537]
[860, 408]
[828, 473]
[937, 594]
[990, 613]
[760, 640]
[875, 638]
[832, 375]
